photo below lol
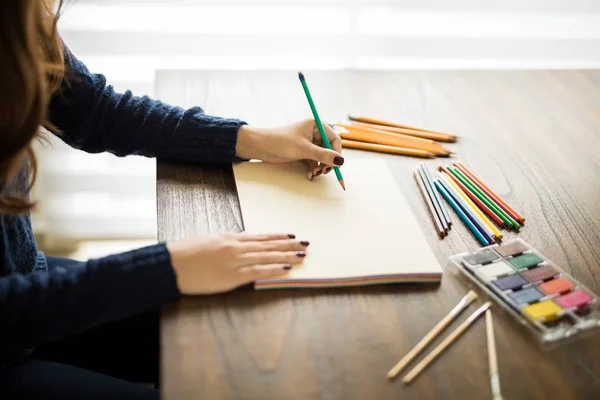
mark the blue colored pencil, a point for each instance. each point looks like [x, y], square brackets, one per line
[460, 213]
[468, 212]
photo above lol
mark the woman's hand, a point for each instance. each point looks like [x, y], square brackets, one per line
[298, 141]
[219, 263]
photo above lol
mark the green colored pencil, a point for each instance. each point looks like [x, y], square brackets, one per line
[319, 124]
[510, 220]
[484, 198]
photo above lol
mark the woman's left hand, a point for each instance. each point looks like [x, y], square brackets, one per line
[298, 141]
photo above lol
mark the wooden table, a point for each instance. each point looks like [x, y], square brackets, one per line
[532, 136]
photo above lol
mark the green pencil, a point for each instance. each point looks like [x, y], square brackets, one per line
[484, 198]
[319, 124]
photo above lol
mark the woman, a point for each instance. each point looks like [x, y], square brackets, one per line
[87, 330]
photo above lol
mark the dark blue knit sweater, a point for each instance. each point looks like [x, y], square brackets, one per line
[38, 305]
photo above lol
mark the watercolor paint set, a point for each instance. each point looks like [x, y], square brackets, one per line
[535, 291]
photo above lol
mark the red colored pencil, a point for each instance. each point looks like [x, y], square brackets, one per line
[501, 203]
[475, 199]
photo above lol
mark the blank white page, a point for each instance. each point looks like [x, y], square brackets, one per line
[364, 235]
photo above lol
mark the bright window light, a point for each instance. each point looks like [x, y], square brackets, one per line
[218, 19]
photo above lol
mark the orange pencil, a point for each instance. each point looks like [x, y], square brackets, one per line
[397, 131]
[352, 144]
[427, 133]
[410, 132]
[501, 203]
[417, 141]
[389, 139]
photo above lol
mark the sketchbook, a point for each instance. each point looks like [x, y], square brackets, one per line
[365, 235]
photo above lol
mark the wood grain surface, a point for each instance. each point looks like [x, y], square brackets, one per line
[533, 137]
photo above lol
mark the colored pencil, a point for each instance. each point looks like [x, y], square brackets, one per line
[389, 139]
[410, 130]
[460, 214]
[436, 205]
[492, 356]
[488, 202]
[432, 334]
[438, 224]
[480, 226]
[381, 148]
[507, 218]
[489, 192]
[468, 210]
[437, 197]
[445, 343]
[404, 133]
[320, 127]
[429, 189]
[493, 230]
[367, 133]
[390, 129]
[475, 199]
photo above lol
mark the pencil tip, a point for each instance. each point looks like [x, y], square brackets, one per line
[341, 181]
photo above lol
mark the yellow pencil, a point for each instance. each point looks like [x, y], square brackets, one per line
[485, 220]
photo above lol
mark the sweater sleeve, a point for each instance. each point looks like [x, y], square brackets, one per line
[94, 118]
[41, 307]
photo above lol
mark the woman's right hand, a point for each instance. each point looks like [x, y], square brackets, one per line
[219, 263]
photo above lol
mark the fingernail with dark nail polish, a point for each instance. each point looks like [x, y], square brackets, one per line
[291, 236]
[288, 267]
[328, 170]
[338, 160]
[318, 173]
[304, 243]
[301, 254]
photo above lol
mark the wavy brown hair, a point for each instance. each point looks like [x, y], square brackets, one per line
[31, 71]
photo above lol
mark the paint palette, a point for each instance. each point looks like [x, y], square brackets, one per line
[534, 290]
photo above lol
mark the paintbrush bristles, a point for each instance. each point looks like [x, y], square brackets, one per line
[432, 334]
[464, 302]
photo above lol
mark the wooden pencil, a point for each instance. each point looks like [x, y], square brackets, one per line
[475, 199]
[490, 203]
[437, 197]
[396, 132]
[436, 205]
[409, 132]
[445, 343]
[492, 356]
[438, 224]
[460, 213]
[470, 212]
[391, 129]
[432, 334]
[475, 190]
[479, 225]
[389, 139]
[489, 191]
[353, 144]
[493, 230]
[426, 133]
